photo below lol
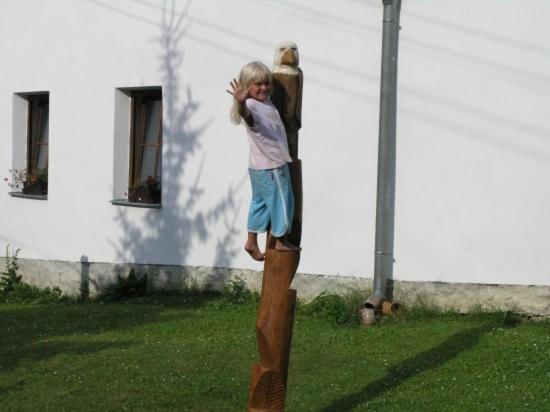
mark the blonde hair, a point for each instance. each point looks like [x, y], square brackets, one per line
[251, 73]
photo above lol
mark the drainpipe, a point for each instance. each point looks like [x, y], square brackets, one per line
[385, 200]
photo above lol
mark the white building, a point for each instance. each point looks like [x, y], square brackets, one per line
[473, 138]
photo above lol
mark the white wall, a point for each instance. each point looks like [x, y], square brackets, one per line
[473, 132]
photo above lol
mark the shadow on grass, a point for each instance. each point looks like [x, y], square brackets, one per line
[16, 386]
[422, 362]
[189, 300]
[39, 332]
[36, 352]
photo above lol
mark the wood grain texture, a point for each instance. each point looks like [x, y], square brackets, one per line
[278, 301]
[274, 332]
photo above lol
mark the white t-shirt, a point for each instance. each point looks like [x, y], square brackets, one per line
[267, 138]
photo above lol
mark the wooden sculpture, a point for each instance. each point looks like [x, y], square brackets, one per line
[287, 97]
[276, 315]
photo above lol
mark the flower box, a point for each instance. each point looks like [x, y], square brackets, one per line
[35, 189]
[143, 195]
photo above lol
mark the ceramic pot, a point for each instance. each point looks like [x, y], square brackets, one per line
[368, 316]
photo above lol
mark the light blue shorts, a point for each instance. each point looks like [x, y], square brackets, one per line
[272, 201]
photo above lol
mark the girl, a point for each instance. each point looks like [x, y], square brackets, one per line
[272, 201]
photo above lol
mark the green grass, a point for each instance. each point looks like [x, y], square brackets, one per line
[193, 353]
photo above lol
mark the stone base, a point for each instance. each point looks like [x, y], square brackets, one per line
[90, 279]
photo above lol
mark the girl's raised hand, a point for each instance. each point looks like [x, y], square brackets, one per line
[239, 93]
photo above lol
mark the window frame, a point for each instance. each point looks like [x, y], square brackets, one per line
[35, 137]
[30, 149]
[141, 113]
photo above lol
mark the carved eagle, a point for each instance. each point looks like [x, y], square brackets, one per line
[287, 85]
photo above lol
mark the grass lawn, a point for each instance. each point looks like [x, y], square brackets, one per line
[193, 353]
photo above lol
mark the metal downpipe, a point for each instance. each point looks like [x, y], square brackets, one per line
[385, 199]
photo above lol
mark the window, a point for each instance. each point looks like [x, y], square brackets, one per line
[145, 147]
[137, 150]
[31, 138]
[37, 144]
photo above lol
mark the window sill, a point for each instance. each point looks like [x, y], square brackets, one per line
[26, 196]
[125, 202]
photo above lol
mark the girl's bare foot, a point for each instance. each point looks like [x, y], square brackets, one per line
[283, 245]
[254, 251]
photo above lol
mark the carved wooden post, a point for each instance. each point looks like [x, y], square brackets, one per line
[276, 315]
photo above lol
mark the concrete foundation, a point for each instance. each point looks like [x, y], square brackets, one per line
[90, 279]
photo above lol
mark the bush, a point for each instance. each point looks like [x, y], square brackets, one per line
[336, 308]
[236, 291]
[126, 287]
[25, 293]
[9, 279]
[13, 290]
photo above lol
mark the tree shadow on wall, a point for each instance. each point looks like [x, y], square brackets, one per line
[167, 235]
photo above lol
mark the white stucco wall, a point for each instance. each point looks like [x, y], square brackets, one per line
[473, 132]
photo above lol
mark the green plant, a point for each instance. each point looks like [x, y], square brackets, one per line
[342, 308]
[13, 290]
[331, 306]
[422, 307]
[25, 293]
[126, 287]
[10, 278]
[236, 291]
[151, 185]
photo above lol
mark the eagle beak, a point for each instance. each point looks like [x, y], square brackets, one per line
[289, 58]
